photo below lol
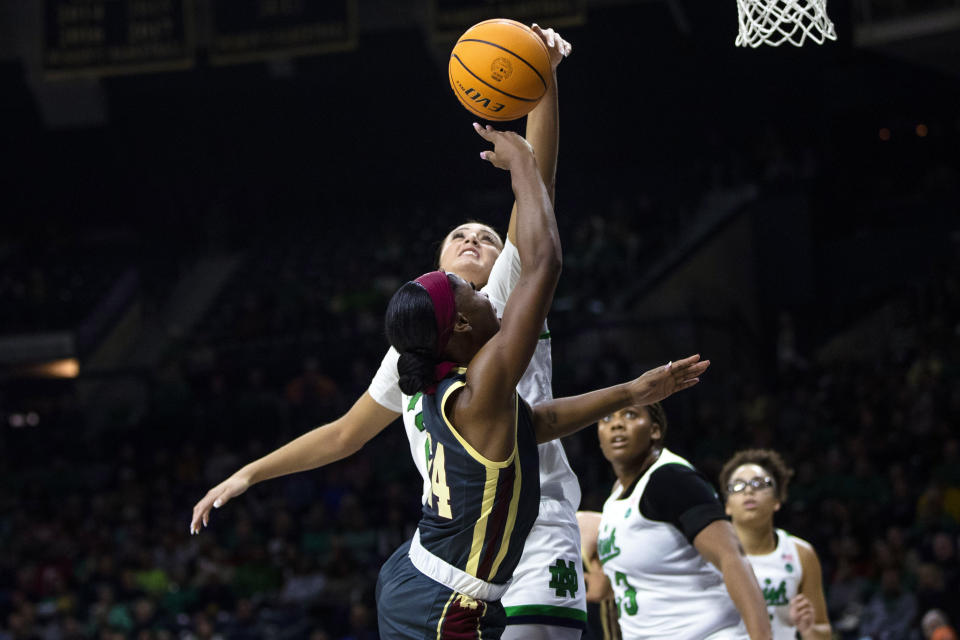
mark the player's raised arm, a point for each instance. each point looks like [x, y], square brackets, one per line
[542, 132]
[543, 123]
[495, 369]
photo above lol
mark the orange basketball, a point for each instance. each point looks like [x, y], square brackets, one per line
[499, 69]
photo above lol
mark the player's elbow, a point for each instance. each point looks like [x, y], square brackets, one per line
[343, 439]
[350, 442]
[549, 262]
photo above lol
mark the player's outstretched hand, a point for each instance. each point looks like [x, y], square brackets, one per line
[657, 384]
[557, 47]
[509, 149]
[216, 498]
[801, 612]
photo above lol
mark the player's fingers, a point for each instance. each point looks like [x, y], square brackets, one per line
[487, 133]
[545, 34]
[223, 498]
[693, 370]
[682, 366]
[489, 156]
[198, 512]
[686, 362]
[197, 523]
[215, 503]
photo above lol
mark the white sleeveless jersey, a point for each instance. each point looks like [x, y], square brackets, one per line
[779, 574]
[663, 586]
[557, 480]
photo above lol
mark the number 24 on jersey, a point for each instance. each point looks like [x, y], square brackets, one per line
[438, 484]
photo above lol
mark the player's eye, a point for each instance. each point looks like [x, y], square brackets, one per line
[630, 415]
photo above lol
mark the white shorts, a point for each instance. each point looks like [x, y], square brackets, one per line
[547, 587]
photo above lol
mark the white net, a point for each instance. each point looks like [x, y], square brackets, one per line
[775, 22]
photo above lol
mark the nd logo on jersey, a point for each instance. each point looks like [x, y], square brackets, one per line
[607, 545]
[775, 596]
[563, 578]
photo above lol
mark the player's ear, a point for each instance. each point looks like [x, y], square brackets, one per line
[656, 433]
[462, 324]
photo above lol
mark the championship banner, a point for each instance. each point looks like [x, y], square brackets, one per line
[450, 18]
[250, 30]
[108, 37]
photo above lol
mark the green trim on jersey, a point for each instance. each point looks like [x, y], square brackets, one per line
[544, 336]
[546, 610]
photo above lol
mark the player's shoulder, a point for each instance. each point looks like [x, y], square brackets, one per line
[808, 555]
[803, 547]
[675, 472]
[677, 485]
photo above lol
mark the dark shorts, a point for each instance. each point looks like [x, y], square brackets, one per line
[411, 605]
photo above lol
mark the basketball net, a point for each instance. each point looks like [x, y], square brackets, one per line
[774, 22]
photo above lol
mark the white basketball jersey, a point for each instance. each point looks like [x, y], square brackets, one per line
[779, 574]
[663, 586]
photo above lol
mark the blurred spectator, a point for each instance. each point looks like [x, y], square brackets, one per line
[889, 614]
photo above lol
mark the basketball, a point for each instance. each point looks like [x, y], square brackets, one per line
[499, 69]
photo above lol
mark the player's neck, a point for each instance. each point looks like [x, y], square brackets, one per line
[758, 540]
[627, 474]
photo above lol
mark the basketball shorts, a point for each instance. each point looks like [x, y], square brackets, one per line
[547, 587]
[412, 606]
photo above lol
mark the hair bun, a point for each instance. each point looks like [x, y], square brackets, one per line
[416, 370]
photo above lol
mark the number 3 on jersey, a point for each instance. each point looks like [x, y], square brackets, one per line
[438, 484]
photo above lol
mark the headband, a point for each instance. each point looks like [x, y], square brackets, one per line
[438, 287]
[440, 291]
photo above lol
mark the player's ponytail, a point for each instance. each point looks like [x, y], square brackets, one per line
[416, 371]
[411, 330]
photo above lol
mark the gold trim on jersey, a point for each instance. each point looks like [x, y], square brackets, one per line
[511, 516]
[444, 615]
[483, 615]
[476, 455]
[480, 526]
